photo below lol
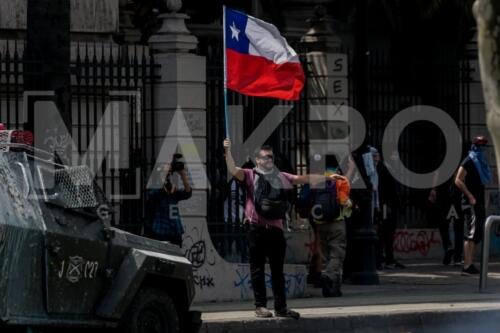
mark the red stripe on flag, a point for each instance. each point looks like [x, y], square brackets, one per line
[258, 76]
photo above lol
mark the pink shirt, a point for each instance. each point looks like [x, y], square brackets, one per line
[250, 212]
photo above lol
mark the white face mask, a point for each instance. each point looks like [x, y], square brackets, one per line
[265, 171]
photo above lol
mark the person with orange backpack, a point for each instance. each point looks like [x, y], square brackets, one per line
[326, 206]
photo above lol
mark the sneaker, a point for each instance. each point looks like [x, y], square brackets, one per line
[471, 270]
[458, 263]
[287, 313]
[447, 257]
[262, 312]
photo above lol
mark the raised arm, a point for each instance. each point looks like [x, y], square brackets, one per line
[237, 173]
[315, 179]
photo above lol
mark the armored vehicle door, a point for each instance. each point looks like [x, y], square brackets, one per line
[75, 245]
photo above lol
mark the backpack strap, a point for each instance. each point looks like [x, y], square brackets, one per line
[257, 190]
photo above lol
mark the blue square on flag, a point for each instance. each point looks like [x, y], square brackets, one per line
[236, 24]
[259, 61]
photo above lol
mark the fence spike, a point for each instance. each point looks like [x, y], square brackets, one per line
[7, 49]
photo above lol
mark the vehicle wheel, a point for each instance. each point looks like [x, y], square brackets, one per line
[151, 311]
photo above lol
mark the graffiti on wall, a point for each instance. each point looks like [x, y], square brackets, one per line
[219, 280]
[204, 279]
[201, 256]
[410, 241]
[295, 284]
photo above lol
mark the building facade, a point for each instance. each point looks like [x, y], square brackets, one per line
[160, 62]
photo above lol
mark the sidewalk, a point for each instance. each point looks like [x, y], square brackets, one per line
[424, 297]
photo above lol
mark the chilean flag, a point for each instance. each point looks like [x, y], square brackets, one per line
[259, 61]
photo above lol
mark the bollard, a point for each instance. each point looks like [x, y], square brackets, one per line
[485, 253]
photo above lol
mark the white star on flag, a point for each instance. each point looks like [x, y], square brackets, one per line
[234, 32]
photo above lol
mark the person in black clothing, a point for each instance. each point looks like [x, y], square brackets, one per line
[445, 210]
[362, 198]
[387, 215]
[474, 173]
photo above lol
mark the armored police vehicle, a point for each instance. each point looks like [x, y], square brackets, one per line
[63, 265]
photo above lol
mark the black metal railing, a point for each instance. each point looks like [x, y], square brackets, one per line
[12, 74]
[386, 97]
[100, 74]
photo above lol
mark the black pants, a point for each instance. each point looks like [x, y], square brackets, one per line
[444, 214]
[267, 243]
[386, 228]
[458, 230]
[389, 230]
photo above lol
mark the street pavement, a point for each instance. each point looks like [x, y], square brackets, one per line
[423, 297]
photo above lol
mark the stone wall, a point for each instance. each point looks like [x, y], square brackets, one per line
[89, 16]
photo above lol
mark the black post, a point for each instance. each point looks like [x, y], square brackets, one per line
[364, 237]
[47, 54]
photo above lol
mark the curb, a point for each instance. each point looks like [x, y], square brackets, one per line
[477, 320]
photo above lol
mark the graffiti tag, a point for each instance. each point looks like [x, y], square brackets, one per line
[76, 269]
[411, 241]
[197, 252]
[294, 283]
[204, 281]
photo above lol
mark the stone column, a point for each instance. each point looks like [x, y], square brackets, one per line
[327, 88]
[180, 105]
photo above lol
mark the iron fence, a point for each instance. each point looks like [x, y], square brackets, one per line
[421, 146]
[100, 74]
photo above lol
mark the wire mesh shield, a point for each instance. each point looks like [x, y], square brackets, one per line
[75, 187]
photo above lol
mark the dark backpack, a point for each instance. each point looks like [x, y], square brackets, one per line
[270, 197]
[323, 203]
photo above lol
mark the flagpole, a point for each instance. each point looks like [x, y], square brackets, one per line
[226, 121]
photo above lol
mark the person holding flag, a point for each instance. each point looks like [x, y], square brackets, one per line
[259, 62]
[265, 211]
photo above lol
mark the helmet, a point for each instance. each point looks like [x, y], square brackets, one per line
[479, 140]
